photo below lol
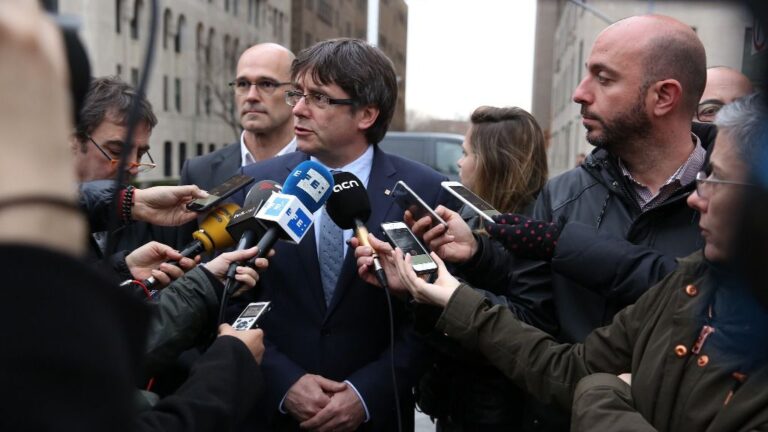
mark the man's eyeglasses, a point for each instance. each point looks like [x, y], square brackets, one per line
[705, 183]
[264, 87]
[140, 166]
[292, 97]
[706, 111]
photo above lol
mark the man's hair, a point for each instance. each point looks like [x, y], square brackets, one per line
[511, 161]
[680, 57]
[744, 122]
[360, 69]
[110, 96]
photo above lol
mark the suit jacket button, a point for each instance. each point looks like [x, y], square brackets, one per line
[691, 290]
[681, 351]
[703, 360]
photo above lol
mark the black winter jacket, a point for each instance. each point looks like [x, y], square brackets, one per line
[613, 251]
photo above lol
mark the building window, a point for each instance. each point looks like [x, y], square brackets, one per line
[257, 13]
[134, 77]
[197, 98]
[137, 7]
[166, 27]
[179, 33]
[325, 12]
[208, 100]
[119, 70]
[177, 88]
[309, 4]
[226, 5]
[307, 40]
[226, 52]
[234, 56]
[199, 150]
[182, 154]
[118, 15]
[167, 161]
[211, 147]
[209, 46]
[165, 92]
[199, 40]
[235, 6]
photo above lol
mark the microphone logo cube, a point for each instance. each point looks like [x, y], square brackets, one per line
[314, 184]
[289, 213]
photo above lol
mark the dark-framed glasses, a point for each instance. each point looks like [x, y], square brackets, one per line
[292, 97]
[264, 86]
[706, 111]
[705, 183]
[140, 166]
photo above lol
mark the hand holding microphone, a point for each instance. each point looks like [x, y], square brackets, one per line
[349, 207]
[211, 236]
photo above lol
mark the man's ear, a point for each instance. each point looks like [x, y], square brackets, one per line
[366, 117]
[76, 145]
[667, 96]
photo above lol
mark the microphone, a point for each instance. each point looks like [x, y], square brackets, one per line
[244, 224]
[288, 215]
[349, 207]
[211, 236]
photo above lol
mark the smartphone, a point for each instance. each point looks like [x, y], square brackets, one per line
[220, 192]
[408, 200]
[249, 317]
[399, 235]
[471, 200]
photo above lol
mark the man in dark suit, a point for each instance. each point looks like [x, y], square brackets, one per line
[263, 75]
[327, 364]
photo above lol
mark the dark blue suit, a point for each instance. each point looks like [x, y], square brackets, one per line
[349, 339]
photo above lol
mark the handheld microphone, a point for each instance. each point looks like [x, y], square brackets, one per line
[244, 223]
[211, 236]
[349, 207]
[288, 215]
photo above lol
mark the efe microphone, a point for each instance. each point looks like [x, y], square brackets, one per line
[211, 236]
[288, 215]
[349, 207]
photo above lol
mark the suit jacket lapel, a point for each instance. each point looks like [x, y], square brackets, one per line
[227, 164]
[380, 182]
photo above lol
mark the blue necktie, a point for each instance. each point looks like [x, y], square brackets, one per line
[331, 250]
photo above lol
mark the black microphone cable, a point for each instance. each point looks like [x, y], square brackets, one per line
[131, 122]
[392, 353]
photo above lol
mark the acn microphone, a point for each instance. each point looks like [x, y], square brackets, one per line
[349, 207]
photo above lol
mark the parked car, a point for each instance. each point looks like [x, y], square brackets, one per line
[437, 150]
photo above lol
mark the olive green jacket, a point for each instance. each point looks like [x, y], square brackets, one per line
[672, 388]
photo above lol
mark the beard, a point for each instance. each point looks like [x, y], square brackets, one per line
[622, 130]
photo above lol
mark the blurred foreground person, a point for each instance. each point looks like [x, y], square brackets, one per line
[73, 343]
[695, 344]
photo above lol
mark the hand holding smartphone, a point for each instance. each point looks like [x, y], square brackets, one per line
[399, 235]
[472, 201]
[220, 192]
[408, 200]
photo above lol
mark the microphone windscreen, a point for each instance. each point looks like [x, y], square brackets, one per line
[311, 183]
[213, 229]
[260, 192]
[349, 201]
